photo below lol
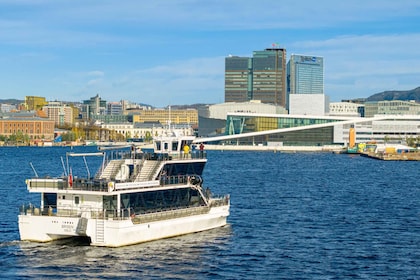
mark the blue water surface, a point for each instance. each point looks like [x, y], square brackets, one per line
[293, 216]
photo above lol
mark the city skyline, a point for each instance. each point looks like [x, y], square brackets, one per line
[173, 52]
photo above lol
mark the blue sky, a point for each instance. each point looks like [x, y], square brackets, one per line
[167, 52]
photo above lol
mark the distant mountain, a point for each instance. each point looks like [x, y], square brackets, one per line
[11, 101]
[405, 95]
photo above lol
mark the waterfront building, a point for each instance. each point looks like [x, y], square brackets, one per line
[220, 111]
[146, 130]
[188, 116]
[393, 107]
[262, 77]
[345, 109]
[212, 118]
[394, 129]
[327, 130]
[61, 114]
[305, 85]
[240, 123]
[32, 127]
[34, 103]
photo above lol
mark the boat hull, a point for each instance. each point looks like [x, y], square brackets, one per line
[115, 233]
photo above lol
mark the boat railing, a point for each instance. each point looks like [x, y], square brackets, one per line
[151, 155]
[173, 180]
[99, 185]
[64, 184]
[219, 200]
[123, 214]
[75, 212]
[165, 214]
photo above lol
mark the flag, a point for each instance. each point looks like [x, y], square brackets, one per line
[70, 178]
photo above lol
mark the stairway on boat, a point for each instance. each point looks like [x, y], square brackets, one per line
[111, 169]
[148, 170]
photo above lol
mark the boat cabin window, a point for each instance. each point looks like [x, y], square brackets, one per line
[76, 200]
[110, 202]
[165, 146]
[174, 146]
[50, 199]
[158, 145]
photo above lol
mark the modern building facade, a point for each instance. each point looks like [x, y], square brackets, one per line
[393, 107]
[305, 74]
[346, 109]
[395, 129]
[305, 85]
[238, 79]
[327, 130]
[61, 114]
[212, 118]
[34, 103]
[114, 108]
[94, 106]
[262, 77]
[239, 123]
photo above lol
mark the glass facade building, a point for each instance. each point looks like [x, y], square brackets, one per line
[305, 75]
[262, 77]
[244, 123]
[238, 79]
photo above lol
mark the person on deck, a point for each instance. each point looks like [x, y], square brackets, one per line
[186, 150]
[201, 150]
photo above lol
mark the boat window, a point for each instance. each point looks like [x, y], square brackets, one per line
[174, 146]
[110, 202]
[166, 146]
[158, 145]
[50, 199]
[76, 200]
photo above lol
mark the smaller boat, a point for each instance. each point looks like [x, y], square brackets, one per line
[136, 196]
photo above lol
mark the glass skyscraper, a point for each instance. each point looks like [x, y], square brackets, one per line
[305, 75]
[262, 77]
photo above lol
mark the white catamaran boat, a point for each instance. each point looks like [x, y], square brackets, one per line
[135, 197]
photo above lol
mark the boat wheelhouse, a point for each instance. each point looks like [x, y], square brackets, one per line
[136, 196]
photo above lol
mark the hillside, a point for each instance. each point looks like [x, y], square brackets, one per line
[405, 95]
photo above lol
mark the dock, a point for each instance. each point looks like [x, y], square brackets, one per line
[394, 156]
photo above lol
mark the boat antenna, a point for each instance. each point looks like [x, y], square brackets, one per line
[33, 168]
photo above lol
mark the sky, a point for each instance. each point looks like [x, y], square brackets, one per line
[172, 52]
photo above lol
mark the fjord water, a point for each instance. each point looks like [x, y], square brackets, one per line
[293, 216]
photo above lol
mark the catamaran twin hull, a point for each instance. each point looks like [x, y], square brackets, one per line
[134, 197]
[115, 232]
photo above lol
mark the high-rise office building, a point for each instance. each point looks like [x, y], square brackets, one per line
[305, 74]
[305, 85]
[262, 77]
[238, 79]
